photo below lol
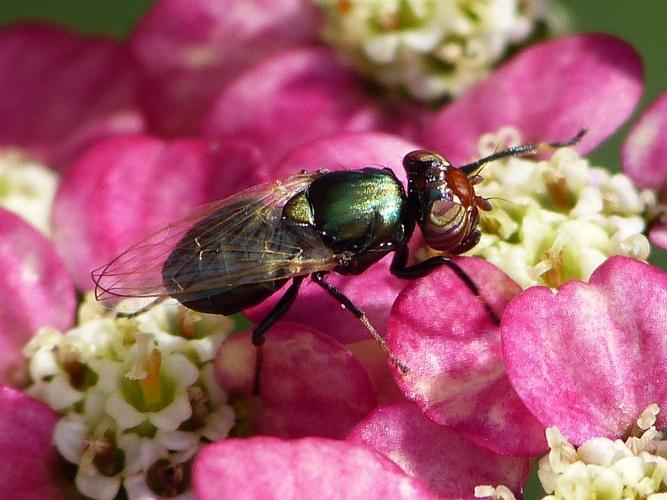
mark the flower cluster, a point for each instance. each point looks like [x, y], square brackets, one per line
[430, 48]
[27, 188]
[557, 220]
[138, 397]
[600, 467]
[204, 101]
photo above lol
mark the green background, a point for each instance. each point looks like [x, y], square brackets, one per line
[640, 22]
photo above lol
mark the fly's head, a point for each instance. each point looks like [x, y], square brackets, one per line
[444, 202]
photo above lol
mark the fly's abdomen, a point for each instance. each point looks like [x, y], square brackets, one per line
[225, 275]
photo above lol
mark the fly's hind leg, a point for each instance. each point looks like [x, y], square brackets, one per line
[360, 315]
[269, 320]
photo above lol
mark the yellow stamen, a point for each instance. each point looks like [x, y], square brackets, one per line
[150, 385]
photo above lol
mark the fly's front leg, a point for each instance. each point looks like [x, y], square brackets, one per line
[277, 312]
[400, 269]
[269, 320]
[360, 315]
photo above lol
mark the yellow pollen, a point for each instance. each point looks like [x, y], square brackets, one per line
[150, 385]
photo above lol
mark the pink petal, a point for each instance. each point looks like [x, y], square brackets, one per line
[123, 188]
[349, 151]
[311, 468]
[592, 357]
[450, 465]
[658, 235]
[376, 289]
[291, 99]
[375, 362]
[31, 469]
[35, 291]
[548, 91]
[61, 91]
[310, 385]
[188, 51]
[644, 152]
[451, 344]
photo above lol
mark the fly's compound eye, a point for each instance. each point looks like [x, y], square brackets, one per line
[418, 161]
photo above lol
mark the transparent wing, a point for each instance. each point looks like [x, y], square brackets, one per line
[236, 241]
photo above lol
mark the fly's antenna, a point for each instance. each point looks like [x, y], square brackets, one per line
[524, 149]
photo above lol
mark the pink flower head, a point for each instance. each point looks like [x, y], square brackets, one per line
[548, 92]
[269, 468]
[592, 357]
[308, 385]
[35, 291]
[448, 463]
[187, 52]
[122, 189]
[450, 340]
[296, 97]
[644, 158]
[32, 469]
[588, 359]
[61, 92]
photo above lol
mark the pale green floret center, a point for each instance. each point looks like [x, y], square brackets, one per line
[430, 48]
[604, 469]
[558, 219]
[136, 395]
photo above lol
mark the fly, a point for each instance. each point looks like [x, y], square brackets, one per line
[233, 254]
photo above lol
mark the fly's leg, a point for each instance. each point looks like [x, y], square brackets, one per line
[400, 269]
[269, 320]
[360, 315]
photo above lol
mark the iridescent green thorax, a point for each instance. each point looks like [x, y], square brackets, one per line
[360, 209]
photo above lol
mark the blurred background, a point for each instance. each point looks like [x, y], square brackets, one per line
[640, 22]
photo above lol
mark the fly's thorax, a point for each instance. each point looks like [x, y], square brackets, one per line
[360, 211]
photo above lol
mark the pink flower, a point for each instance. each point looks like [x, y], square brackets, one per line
[591, 358]
[304, 468]
[188, 52]
[644, 158]
[449, 464]
[61, 92]
[36, 291]
[577, 359]
[548, 92]
[32, 469]
[309, 384]
[452, 344]
[124, 187]
[254, 72]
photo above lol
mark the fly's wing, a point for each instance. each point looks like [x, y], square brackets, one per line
[236, 241]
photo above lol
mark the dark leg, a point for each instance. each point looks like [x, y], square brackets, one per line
[400, 269]
[360, 315]
[276, 313]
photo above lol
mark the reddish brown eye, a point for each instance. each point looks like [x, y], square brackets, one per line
[459, 183]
